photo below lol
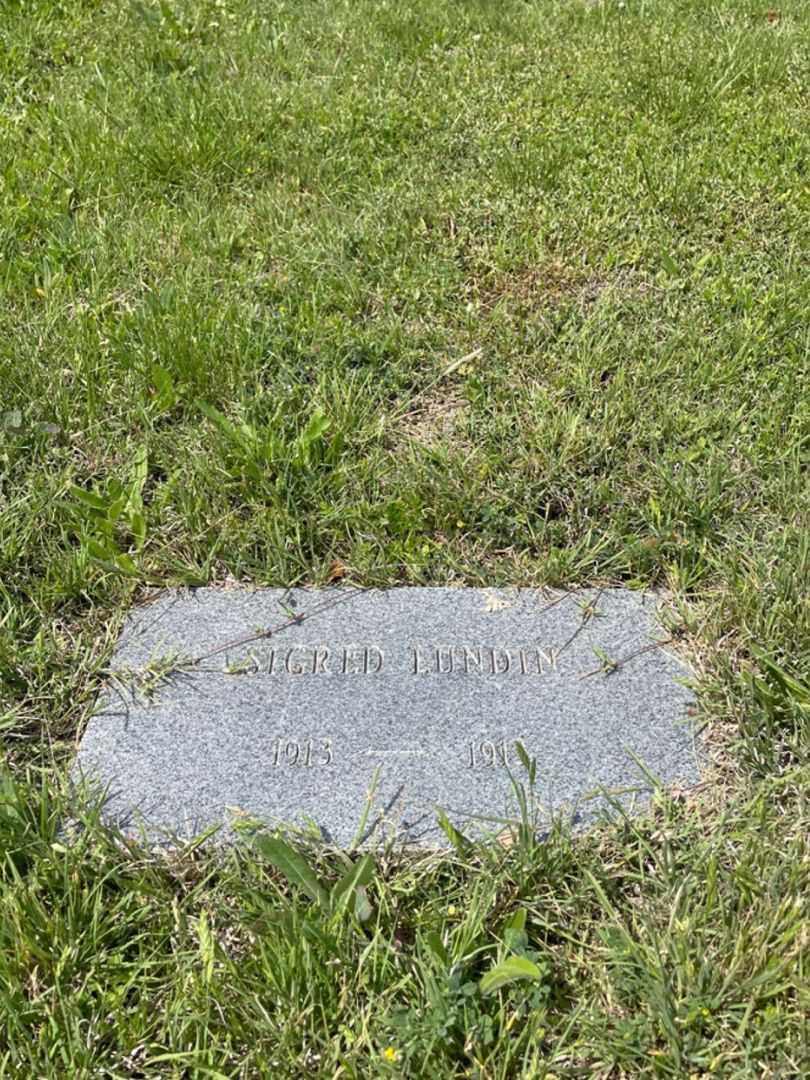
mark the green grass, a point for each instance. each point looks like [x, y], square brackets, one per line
[448, 292]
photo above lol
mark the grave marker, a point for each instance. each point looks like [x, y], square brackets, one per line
[420, 694]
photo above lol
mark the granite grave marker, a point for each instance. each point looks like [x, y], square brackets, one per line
[393, 701]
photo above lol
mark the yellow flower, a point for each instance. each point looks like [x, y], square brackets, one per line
[452, 909]
[390, 1054]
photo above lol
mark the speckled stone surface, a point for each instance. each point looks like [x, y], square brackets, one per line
[396, 702]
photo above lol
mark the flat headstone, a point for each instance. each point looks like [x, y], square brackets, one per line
[380, 706]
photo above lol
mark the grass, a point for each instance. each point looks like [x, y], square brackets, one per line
[443, 292]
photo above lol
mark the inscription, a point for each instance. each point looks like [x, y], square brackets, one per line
[308, 753]
[315, 660]
[489, 754]
[485, 661]
[479, 660]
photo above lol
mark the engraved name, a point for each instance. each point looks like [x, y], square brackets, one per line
[314, 660]
[479, 660]
[363, 659]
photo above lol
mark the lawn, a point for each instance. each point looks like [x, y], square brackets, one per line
[472, 292]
